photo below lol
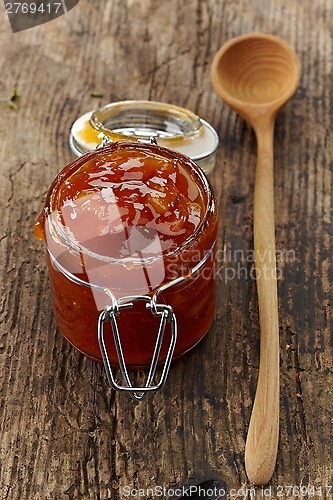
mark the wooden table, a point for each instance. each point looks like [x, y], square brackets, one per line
[64, 433]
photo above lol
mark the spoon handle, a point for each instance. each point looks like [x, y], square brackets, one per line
[262, 439]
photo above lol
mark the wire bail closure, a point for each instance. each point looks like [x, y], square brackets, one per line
[157, 309]
[106, 141]
[113, 311]
[110, 314]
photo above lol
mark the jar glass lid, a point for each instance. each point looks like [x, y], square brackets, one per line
[144, 119]
[171, 126]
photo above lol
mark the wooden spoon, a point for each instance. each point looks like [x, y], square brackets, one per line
[256, 74]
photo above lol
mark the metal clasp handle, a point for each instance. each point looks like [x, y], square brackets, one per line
[106, 141]
[111, 313]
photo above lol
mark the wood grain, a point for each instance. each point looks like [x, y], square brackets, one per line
[64, 434]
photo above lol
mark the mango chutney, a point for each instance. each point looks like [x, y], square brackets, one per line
[124, 221]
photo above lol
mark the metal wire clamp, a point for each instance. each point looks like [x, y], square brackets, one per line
[113, 311]
[110, 314]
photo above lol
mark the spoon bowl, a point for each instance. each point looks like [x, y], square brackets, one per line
[256, 74]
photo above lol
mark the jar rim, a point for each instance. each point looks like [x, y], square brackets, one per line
[63, 238]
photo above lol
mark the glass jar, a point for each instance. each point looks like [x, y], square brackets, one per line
[171, 126]
[130, 231]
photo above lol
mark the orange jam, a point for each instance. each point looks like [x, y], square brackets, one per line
[129, 218]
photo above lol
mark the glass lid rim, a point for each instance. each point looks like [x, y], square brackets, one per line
[172, 110]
